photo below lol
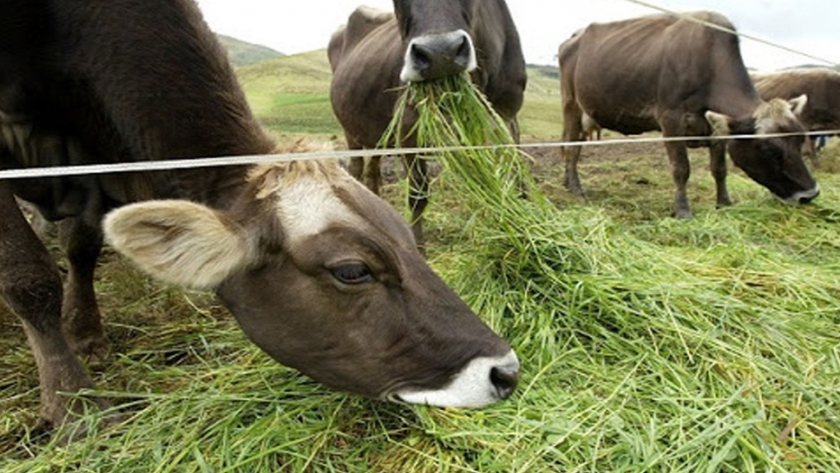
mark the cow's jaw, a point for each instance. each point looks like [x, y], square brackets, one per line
[482, 382]
[434, 56]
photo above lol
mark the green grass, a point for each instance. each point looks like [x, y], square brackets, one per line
[541, 115]
[647, 343]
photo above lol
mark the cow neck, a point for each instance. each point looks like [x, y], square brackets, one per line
[733, 93]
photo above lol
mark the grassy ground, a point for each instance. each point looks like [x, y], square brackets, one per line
[647, 343]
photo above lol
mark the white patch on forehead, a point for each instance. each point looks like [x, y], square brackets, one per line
[308, 205]
[772, 115]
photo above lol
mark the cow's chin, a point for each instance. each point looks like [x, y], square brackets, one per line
[471, 388]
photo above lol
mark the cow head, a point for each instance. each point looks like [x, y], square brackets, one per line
[436, 35]
[775, 163]
[325, 277]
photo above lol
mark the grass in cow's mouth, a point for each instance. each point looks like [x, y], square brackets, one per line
[647, 344]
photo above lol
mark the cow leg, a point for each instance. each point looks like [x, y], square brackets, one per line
[680, 170]
[373, 175]
[418, 195]
[356, 167]
[571, 156]
[82, 243]
[31, 286]
[572, 131]
[717, 164]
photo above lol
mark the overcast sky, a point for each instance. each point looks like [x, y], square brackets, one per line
[809, 26]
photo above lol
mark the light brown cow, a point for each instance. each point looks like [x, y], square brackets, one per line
[318, 271]
[821, 85]
[674, 74]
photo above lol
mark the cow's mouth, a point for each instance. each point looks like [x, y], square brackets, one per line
[801, 197]
[483, 381]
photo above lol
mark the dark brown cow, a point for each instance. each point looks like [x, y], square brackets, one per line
[672, 73]
[319, 272]
[821, 85]
[377, 51]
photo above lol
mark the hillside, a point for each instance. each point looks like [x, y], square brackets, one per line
[290, 94]
[242, 53]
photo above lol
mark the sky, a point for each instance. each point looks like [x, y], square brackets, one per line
[808, 26]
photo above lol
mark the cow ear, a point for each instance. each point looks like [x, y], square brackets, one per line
[797, 105]
[719, 123]
[179, 242]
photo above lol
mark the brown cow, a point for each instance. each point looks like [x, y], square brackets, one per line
[674, 74]
[821, 85]
[319, 272]
[378, 51]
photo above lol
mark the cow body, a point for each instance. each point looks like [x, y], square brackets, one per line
[671, 73]
[320, 273]
[377, 52]
[821, 85]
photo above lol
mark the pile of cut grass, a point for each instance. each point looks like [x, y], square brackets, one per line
[661, 345]
[708, 345]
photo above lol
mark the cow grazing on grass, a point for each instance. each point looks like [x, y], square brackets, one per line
[821, 85]
[376, 52]
[319, 272]
[674, 74]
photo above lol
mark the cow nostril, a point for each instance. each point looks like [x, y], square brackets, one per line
[463, 52]
[420, 58]
[504, 378]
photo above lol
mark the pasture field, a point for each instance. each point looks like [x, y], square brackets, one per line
[647, 343]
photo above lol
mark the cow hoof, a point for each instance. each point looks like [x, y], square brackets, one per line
[92, 348]
[73, 421]
[683, 214]
[576, 191]
[81, 428]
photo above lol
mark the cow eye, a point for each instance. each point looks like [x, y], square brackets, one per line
[352, 273]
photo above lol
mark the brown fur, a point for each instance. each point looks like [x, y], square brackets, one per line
[820, 85]
[134, 81]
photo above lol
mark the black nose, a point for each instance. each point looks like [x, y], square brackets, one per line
[437, 56]
[504, 378]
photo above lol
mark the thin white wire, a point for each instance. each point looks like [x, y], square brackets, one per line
[733, 32]
[169, 164]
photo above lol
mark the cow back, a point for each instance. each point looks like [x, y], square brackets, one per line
[628, 74]
[821, 85]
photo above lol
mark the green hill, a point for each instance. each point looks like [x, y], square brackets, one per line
[541, 115]
[242, 53]
[290, 94]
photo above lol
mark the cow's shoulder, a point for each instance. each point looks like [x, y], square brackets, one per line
[706, 18]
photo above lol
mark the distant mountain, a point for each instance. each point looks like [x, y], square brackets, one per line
[243, 54]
